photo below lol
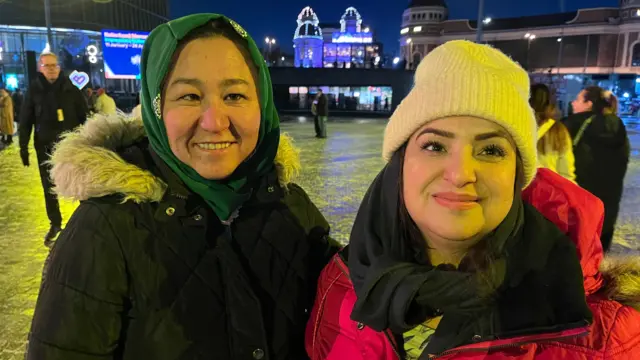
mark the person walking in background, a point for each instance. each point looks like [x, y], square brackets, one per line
[191, 240]
[53, 105]
[555, 150]
[90, 98]
[601, 148]
[17, 98]
[322, 109]
[314, 112]
[105, 104]
[612, 103]
[6, 117]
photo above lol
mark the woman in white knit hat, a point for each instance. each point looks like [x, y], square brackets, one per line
[457, 252]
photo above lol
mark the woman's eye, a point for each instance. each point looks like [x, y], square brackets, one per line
[235, 97]
[189, 97]
[493, 150]
[433, 146]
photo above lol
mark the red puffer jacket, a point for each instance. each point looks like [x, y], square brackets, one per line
[614, 333]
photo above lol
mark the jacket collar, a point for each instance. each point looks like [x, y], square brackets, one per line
[62, 83]
[186, 203]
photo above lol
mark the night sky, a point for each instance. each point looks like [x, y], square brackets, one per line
[261, 19]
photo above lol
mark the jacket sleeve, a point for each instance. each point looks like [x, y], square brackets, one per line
[566, 162]
[328, 336]
[27, 120]
[623, 339]
[82, 303]
[322, 246]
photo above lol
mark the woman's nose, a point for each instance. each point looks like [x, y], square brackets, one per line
[213, 119]
[460, 169]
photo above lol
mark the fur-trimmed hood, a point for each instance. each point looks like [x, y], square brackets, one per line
[622, 279]
[85, 163]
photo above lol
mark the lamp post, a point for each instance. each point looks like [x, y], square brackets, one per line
[270, 42]
[480, 21]
[530, 37]
[47, 17]
[410, 62]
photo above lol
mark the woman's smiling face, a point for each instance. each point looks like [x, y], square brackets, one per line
[211, 108]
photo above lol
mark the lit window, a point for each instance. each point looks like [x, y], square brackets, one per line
[417, 29]
[293, 90]
[638, 12]
[404, 31]
[303, 90]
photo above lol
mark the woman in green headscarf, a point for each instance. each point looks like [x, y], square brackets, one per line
[190, 241]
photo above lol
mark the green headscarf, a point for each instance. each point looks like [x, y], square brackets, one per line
[224, 196]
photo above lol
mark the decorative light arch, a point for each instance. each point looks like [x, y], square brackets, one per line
[350, 12]
[307, 23]
[307, 14]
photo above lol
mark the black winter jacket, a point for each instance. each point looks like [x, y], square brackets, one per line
[40, 110]
[602, 156]
[159, 277]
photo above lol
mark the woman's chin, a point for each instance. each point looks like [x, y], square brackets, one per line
[215, 172]
[458, 232]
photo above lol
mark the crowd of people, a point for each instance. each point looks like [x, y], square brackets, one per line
[483, 236]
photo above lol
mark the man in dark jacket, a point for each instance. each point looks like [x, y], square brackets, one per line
[52, 106]
[322, 114]
[602, 149]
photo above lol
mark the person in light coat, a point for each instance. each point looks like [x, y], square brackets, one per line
[555, 150]
[6, 117]
[105, 104]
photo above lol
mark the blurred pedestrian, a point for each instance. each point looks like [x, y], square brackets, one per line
[555, 150]
[462, 248]
[6, 117]
[90, 97]
[137, 111]
[52, 106]
[192, 241]
[322, 111]
[105, 104]
[612, 103]
[17, 98]
[601, 147]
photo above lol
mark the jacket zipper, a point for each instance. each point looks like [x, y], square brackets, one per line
[394, 346]
[507, 346]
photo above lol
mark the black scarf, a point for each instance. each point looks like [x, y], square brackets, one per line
[396, 292]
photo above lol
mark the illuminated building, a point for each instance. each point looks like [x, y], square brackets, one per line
[421, 27]
[599, 46]
[344, 45]
[307, 40]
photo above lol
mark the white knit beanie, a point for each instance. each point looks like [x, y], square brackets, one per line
[462, 78]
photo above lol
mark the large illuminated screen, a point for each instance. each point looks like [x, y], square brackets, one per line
[122, 52]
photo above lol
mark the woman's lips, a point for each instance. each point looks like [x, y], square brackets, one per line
[456, 201]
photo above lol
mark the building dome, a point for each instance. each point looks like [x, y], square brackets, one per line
[308, 24]
[351, 14]
[420, 3]
[307, 14]
[350, 20]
